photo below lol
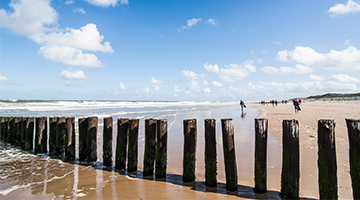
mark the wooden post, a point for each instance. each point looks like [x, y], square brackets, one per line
[290, 174]
[261, 134]
[18, 131]
[210, 153]
[2, 128]
[150, 146]
[23, 132]
[327, 160]
[161, 149]
[121, 143]
[52, 135]
[189, 159]
[107, 141]
[60, 139]
[83, 139]
[41, 135]
[10, 130]
[70, 139]
[29, 134]
[229, 154]
[353, 127]
[133, 145]
[92, 138]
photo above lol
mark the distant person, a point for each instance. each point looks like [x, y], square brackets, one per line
[276, 102]
[300, 101]
[296, 105]
[242, 105]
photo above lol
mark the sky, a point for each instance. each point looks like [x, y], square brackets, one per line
[202, 50]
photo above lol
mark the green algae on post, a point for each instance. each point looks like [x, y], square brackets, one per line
[150, 146]
[161, 149]
[189, 159]
[229, 154]
[210, 153]
[327, 160]
[353, 127]
[107, 141]
[121, 143]
[290, 173]
[261, 134]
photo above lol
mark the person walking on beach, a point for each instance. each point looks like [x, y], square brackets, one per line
[242, 105]
[296, 105]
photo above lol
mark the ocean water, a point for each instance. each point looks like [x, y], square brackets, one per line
[13, 161]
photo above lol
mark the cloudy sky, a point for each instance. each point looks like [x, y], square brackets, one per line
[178, 50]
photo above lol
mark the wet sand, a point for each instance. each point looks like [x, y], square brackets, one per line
[40, 177]
[308, 117]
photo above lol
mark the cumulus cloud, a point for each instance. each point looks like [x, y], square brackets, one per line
[207, 90]
[216, 84]
[158, 84]
[232, 72]
[122, 86]
[193, 85]
[317, 78]
[72, 73]
[190, 23]
[4, 79]
[212, 21]
[37, 20]
[276, 43]
[298, 69]
[351, 7]
[192, 75]
[79, 10]
[177, 89]
[211, 68]
[344, 78]
[348, 59]
[30, 18]
[107, 3]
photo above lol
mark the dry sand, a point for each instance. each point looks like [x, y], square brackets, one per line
[308, 117]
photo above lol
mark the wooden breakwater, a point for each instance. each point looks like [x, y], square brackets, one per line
[31, 134]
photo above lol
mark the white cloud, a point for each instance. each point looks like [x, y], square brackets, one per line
[211, 68]
[158, 84]
[122, 86]
[341, 9]
[190, 23]
[192, 75]
[72, 73]
[67, 2]
[216, 84]
[177, 89]
[251, 52]
[348, 59]
[146, 89]
[317, 78]
[207, 90]
[70, 84]
[79, 10]
[298, 69]
[69, 56]
[193, 85]
[276, 43]
[347, 42]
[30, 18]
[212, 21]
[107, 3]
[3, 79]
[344, 78]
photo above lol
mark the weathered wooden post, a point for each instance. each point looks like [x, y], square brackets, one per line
[52, 135]
[83, 139]
[121, 143]
[2, 128]
[70, 139]
[92, 138]
[150, 146]
[23, 132]
[41, 135]
[161, 149]
[10, 130]
[353, 127]
[189, 159]
[29, 133]
[107, 141]
[290, 174]
[229, 154]
[60, 139]
[261, 134]
[19, 130]
[133, 145]
[210, 153]
[327, 160]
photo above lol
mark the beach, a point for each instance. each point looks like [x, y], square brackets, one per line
[42, 177]
[311, 112]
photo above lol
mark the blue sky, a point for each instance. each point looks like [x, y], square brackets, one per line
[204, 50]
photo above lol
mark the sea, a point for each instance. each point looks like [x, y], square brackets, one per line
[14, 162]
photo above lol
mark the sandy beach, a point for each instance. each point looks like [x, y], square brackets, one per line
[47, 178]
[308, 117]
